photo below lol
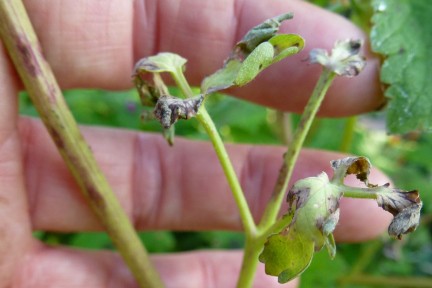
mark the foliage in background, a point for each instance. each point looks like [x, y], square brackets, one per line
[402, 33]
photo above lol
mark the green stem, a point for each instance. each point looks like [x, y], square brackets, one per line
[357, 192]
[204, 118]
[21, 42]
[348, 134]
[250, 261]
[290, 158]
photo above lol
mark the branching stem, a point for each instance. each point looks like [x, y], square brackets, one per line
[204, 118]
[290, 158]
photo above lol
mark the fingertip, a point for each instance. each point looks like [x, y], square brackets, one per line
[210, 269]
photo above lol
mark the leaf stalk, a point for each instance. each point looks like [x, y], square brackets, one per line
[291, 156]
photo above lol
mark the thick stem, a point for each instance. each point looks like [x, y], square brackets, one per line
[20, 40]
[250, 262]
[204, 118]
[290, 158]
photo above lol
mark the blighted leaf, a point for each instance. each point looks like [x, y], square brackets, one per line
[344, 59]
[262, 33]
[405, 207]
[314, 202]
[287, 256]
[162, 62]
[359, 166]
[149, 90]
[260, 58]
[169, 109]
[402, 33]
[406, 221]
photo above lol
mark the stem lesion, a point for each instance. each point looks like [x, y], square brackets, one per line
[22, 45]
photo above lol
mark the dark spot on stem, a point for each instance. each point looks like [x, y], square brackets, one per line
[95, 196]
[53, 93]
[28, 55]
[55, 135]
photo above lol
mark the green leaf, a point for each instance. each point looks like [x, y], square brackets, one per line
[258, 49]
[162, 62]
[223, 78]
[314, 204]
[286, 45]
[286, 256]
[260, 58]
[262, 33]
[403, 34]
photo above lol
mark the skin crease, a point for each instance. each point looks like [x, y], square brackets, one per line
[95, 44]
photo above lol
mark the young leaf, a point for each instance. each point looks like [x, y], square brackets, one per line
[286, 45]
[262, 33]
[314, 202]
[258, 49]
[154, 93]
[287, 256]
[162, 62]
[223, 78]
[402, 33]
[260, 58]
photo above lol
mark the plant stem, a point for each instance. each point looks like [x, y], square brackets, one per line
[357, 192]
[204, 118]
[290, 158]
[21, 42]
[348, 134]
[252, 250]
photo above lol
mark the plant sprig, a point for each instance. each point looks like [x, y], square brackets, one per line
[286, 245]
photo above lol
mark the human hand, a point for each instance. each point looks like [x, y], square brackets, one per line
[95, 44]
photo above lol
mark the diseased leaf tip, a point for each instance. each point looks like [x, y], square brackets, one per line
[344, 59]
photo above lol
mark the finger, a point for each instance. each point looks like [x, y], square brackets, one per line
[161, 187]
[15, 231]
[96, 43]
[53, 267]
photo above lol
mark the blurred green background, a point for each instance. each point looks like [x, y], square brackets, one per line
[405, 158]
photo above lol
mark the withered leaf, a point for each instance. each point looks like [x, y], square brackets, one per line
[169, 109]
[344, 59]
